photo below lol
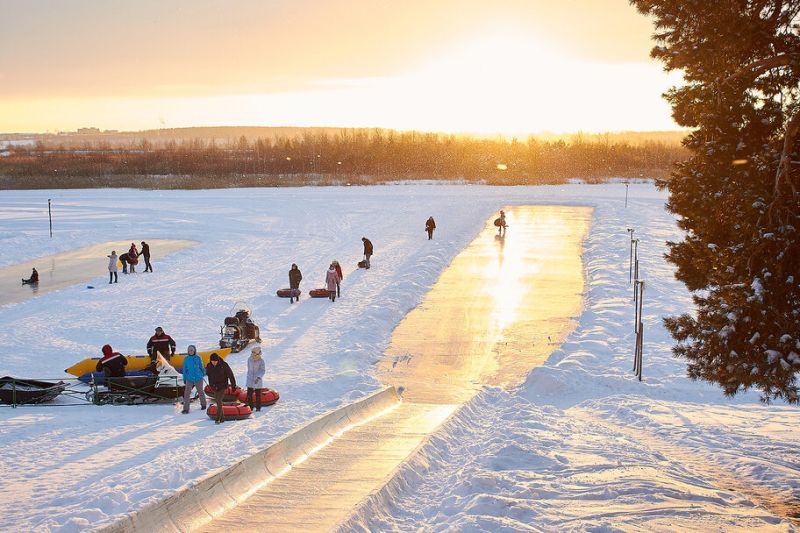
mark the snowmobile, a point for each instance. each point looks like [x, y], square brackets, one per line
[163, 384]
[238, 330]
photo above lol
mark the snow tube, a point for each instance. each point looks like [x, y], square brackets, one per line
[231, 411]
[319, 293]
[268, 396]
[362, 264]
[285, 293]
[498, 222]
[231, 395]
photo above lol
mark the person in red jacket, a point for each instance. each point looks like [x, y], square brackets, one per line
[133, 257]
[161, 343]
[340, 277]
[112, 365]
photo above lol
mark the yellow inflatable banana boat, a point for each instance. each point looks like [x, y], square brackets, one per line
[140, 362]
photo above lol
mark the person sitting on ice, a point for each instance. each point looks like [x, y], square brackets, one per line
[112, 365]
[33, 280]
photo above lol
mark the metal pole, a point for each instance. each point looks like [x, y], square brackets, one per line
[626, 195]
[640, 336]
[50, 216]
[630, 263]
[635, 266]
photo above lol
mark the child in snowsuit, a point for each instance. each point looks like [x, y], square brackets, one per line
[367, 250]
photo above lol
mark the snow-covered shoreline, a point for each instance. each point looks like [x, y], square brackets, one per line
[104, 461]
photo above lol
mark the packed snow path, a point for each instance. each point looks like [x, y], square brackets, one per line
[64, 269]
[501, 307]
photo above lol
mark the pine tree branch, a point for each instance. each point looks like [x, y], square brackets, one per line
[785, 163]
[757, 68]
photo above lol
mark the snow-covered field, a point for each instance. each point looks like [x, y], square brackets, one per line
[582, 445]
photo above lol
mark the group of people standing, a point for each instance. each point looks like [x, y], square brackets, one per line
[221, 379]
[128, 259]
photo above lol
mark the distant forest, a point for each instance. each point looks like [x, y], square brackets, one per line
[328, 157]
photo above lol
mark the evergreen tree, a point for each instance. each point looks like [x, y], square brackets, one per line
[737, 197]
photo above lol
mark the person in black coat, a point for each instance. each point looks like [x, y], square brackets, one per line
[367, 249]
[430, 225]
[33, 280]
[146, 254]
[220, 376]
[112, 365]
[161, 343]
[294, 283]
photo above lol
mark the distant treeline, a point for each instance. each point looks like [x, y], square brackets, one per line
[355, 156]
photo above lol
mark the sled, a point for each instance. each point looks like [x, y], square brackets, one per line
[268, 396]
[231, 395]
[319, 293]
[286, 293]
[15, 391]
[140, 362]
[231, 411]
[362, 264]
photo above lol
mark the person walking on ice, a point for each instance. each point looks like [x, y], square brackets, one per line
[113, 267]
[219, 376]
[331, 281]
[295, 277]
[193, 373]
[255, 377]
[146, 254]
[367, 250]
[430, 225]
[501, 223]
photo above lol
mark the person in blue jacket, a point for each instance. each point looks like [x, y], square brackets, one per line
[193, 373]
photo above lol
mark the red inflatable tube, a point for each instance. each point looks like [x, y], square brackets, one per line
[231, 395]
[285, 293]
[319, 293]
[231, 411]
[268, 396]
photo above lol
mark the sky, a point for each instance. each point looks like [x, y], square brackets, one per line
[505, 66]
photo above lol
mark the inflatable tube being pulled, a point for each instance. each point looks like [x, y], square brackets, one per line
[319, 293]
[231, 411]
[285, 293]
[362, 264]
[231, 395]
[268, 396]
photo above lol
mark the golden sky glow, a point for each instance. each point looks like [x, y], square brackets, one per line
[448, 65]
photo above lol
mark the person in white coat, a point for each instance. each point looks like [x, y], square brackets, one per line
[112, 266]
[331, 281]
[255, 377]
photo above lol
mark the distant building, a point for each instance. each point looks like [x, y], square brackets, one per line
[88, 131]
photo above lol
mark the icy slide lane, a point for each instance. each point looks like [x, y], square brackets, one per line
[61, 270]
[501, 307]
